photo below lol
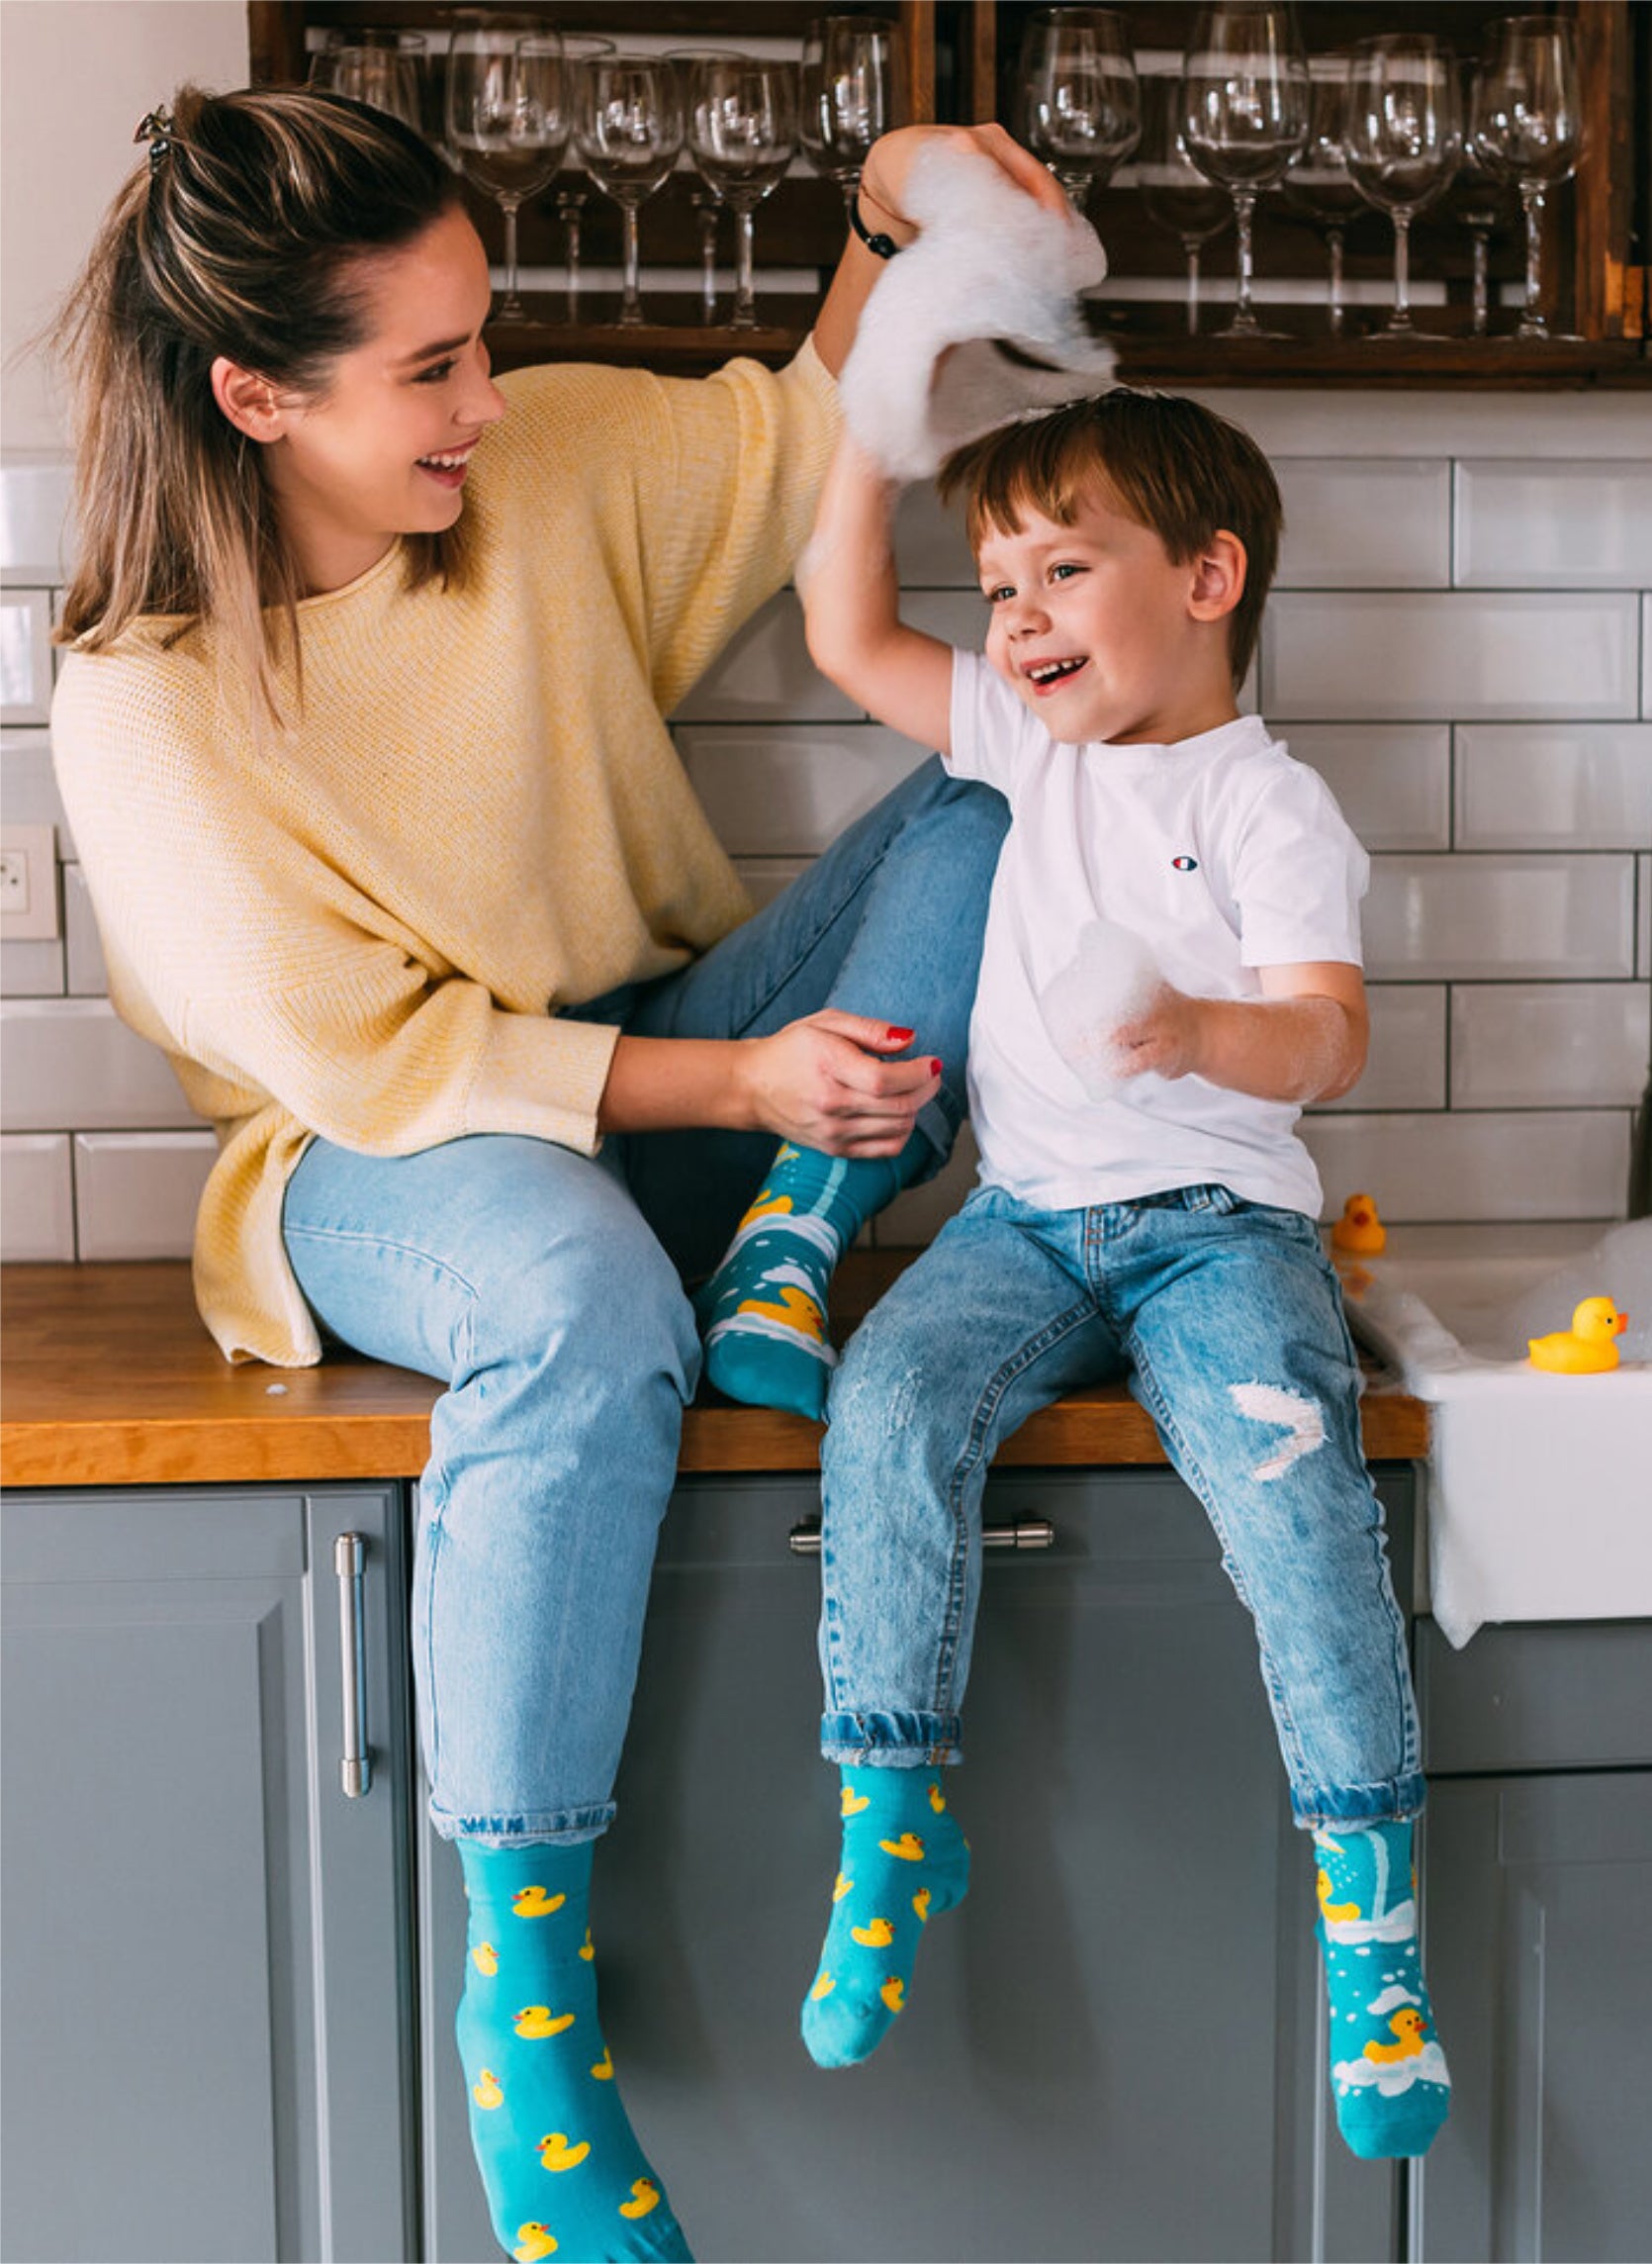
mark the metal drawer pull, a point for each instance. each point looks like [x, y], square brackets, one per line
[1024, 1532]
[355, 1770]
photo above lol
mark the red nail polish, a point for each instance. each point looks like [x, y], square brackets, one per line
[899, 1037]
[935, 1068]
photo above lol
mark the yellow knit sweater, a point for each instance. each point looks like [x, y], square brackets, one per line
[364, 926]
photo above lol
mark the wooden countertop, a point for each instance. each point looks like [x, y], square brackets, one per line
[108, 1379]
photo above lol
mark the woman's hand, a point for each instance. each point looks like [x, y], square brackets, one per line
[889, 161]
[825, 1083]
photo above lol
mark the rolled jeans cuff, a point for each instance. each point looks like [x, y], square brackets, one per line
[565, 1825]
[892, 1740]
[1352, 1806]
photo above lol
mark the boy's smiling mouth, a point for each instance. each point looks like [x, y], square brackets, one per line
[1044, 675]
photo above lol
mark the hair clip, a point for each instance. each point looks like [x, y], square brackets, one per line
[157, 130]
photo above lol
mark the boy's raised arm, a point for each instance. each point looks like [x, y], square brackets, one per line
[851, 597]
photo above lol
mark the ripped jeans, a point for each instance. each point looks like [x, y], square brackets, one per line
[1229, 1321]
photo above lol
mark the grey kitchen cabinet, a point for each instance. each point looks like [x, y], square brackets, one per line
[1537, 1880]
[208, 2044]
[1113, 2050]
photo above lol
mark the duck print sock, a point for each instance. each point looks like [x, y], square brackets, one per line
[904, 1860]
[1387, 2074]
[763, 1312]
[563, 2172]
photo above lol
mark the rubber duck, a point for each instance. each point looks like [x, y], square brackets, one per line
[645, 2195]
[532, 2242]
[796, 1309]
[1587, 1347]
[588, 1949]
[893, 1992]
[557, 2154]
[938, 1800]
[877, 1935]
[534, 1902]
[486, 2091]
[1359, 1229]
[854, 1801]
[540, 2020]
[1334, 1912]
[841, 1886]
[823, 1987]
[1407, 2027]
[908, 1848]
[603, 2070]
[485, 1958]
[920, 1903]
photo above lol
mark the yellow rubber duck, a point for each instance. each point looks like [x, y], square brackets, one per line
[920, 1903]
[645, 2195]
[1359, 1229]
[824, 1985]
[603, 2070]
[1407, 2027]
[1589, 1346]
[841, 1885]
[908, 1848]
[534, 1902]
[1334, 1912]
[854, 1801]
[877, 1935]
[588, 1949]
[938, 1800]
[485, 1958]
[540, 2020]
[557, 2154]
[796, 1309]
[892, 1993]
[534, 2242]
[486, 2089]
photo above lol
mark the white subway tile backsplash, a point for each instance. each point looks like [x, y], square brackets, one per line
[1371, 526]
[1546, 1045]
[767, 877]
[136, 1193]
[37, 1199]
[1450, 656]
[1500, 916]
[931, 552]
[1405, 1066]
[958, 616]
[31, 970]
[764, 675]
[1539, 1164]
[71, 1064]
[28, 787]
[1554, 786]
[25, 656]
[1643, 915]
[790, 788]
[36, 529]
[88, 977]
[1392, 780]
[1646, 655]
[1555, 525]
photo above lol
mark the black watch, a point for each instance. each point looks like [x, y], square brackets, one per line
[882, 247]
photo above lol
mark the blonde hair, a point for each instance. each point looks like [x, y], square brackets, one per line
[243, 234]
[1166, 462]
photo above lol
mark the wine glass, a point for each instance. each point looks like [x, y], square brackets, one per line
[628, 129]
[508, 124]
[1404, 141]
[1083, 102]
[742, 131]
[1175, 195]
[1479, 198]
[1246, 109]
[847, 95]
[385, 69]
[1530, 130]
[1318, 186]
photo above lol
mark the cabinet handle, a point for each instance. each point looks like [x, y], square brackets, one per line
[355, 1770]
[1026, 1533]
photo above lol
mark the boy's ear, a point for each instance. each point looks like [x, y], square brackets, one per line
[1218, 574]
[248, 400]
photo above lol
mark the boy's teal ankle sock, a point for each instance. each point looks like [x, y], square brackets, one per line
[763, 1312]
[1388, 2075]
[904, 1861]
[564, 2174]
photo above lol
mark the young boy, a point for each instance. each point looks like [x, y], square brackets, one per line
[1171, 970]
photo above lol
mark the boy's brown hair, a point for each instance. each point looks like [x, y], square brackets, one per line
[1166, 462]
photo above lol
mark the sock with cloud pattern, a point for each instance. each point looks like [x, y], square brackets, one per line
[1387, 2074]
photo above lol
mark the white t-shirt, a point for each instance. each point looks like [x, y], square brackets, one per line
[1224, 854]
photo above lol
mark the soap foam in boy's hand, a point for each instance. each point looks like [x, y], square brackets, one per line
[1110, 979]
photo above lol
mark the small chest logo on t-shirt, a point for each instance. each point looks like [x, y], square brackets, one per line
[1185, 863]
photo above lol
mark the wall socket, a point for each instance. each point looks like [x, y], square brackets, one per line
[28, 883]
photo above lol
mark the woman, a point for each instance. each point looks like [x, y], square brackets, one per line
[360, 736]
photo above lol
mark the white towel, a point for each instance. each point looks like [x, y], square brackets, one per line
[976, 322]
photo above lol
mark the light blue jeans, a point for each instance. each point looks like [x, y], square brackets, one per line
[545, 1289]
[1229, 1321]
